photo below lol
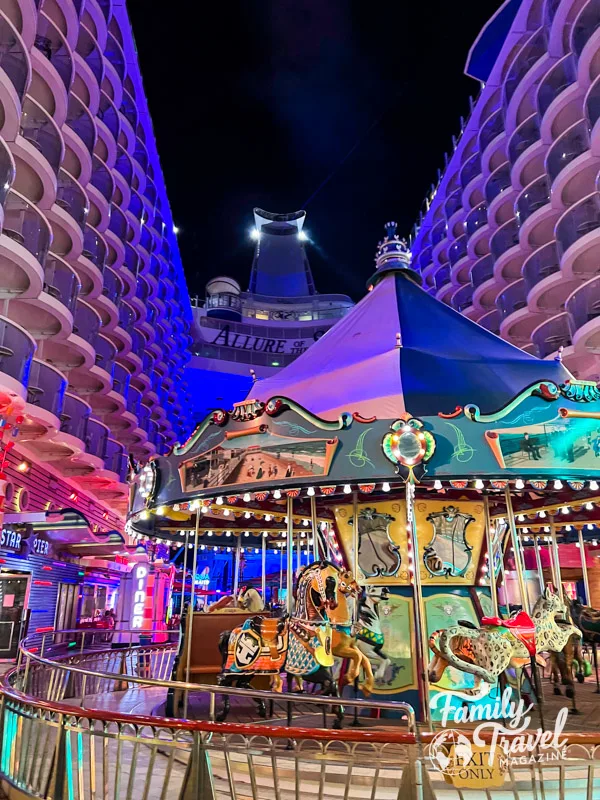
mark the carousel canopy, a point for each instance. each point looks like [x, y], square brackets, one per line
[399, 349]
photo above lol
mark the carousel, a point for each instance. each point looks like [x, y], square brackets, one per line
[424, 501]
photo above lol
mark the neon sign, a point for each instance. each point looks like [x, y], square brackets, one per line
[139, 596]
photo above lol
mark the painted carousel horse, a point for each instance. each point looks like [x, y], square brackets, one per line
[566, 663]
[300, 646]
[369, 636]
[487, 652]
[587, 620]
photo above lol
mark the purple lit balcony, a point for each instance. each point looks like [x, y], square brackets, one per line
[134, 401]
[584, 304]
[438, 232]
[155, 268]
[121, 379]
[592, 103]
[551, 334]
[26, 225]
[536, 47]
[109, 115]
[118, 223]
[127, 317]
[574, 141]
[470, 170]
[13, 58]
[94, 247]
[141, 155]
[81, 122]
[132, 260]
[71, 197]
[114, 53]
[142, 290]
[123, 164]
[457, 250]
[525, 135]
[75, 416]
[143, 417]
[482, 270]
[102, 179]
[504, 238]
[136, 206]
[425, 258]
[476, 218]
[585, 26]
[88, 49]
[453, 203]
[115, 459]
[165, 250]
[150, 192]
[138, 343]
[498, 181]
[463, 298]
[491, 321]
[550, 9]
[39, 129]
[106, 354]
[442, 276]
[129, 110]
[540, 265]
[151, 314]
[106, 8]
[86, 323]
[113, 286]
[96, 438]
[46, 387]
[16, 351]
[147, 362]
[61, 281]
[555, 81]
[52, 44]
[580, 219]
[7, 170]
[513, 298]
[532, 198]
[492, 127]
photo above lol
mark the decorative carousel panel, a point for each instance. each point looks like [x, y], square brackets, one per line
[382, 541]
[450, 536]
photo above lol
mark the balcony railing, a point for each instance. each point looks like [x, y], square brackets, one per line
[442, 277]
[7, 170]
[115, 459]
[25, 224]
[16, 351]
[147, 362]
[61, 281]
[550, 8]
[121, 379]
[94, 247]
[39, 129]
[592, 103]
[555, 81]
[112, 285]
[132, 260]
[142, 290]
[498, 181]
[453, 203]
[551, 334]
[482, 270]
[71, 197]
[525, 135]
[504, 238]
[470, 170]
[513, 298]
[438, 232]
[74, 417]
[492, 127]
[86, 323]
[129, 110]
[136, 206]
[141, 155]
[463, 298]
[476, 219]
[81, 122]
[106, 354]
[114, 53]
[540, 265]
[532, 198]
[457, 250]
[52, 44]
[585, 26]
[531, 52]
[580, 219]
[123, 165]
[134, 401]
[127, 317]
[13, 57]
[491, 321]
[146, 240]
[425, 258]
[118, 223]
[102, 179]
[584, 304]
[150, 192]
[46, 387]
[88, 49]
[573, 142]
[109, 115]
[95, 438]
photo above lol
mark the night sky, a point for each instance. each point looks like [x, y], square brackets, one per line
[342, 108]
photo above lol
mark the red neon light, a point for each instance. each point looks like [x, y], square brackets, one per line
[48, 569]
[2, 561]
[42, 583]
[47, 629]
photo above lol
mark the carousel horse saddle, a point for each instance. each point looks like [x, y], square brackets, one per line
[521, 626]
[268, 628]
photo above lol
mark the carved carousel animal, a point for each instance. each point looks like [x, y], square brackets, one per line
[300, 646]
[562, 665]
[369, 636]
[487, 652]
[587, 620]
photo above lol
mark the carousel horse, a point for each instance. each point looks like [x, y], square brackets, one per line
[587, 620]
[487, 652]
[300, 645]
[562, 666]
[369, 636]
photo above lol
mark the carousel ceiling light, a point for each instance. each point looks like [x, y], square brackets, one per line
[302, 535]
[202, 547]
[526, 530]
[277, 494]
[479, 483]
[256, 550]
[437, 485]
[229, 549]
[594, 541]
[209, 533]
[247, 515]
[305, 522]
[558, 484]
[226, 512]
[385, 487]
[589, 506]
[161, 511]
[246, 498]
[519, 483]
[310, 491]
[204, 510]
[265, 534]
[577, 545]
[246, 533]
[564, 510]
[144, 514]
[182, 533]
[594, 486]
[521, 517]
[267, 518]
[227, 533]
[568, 527]
[219, 501]
[542, 514]
[242, 550]
[347, 489]
[547, 529]
[190, 546]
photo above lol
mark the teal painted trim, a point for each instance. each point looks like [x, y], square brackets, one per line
[181, 450]
[343, 422]
[473, 412]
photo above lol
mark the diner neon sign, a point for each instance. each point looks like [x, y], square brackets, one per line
[139, 596]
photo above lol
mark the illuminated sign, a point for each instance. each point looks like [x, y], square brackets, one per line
[10, 540]
[139, 595]
[263, 344]
[41, 547]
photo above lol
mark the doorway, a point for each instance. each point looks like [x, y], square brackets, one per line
[13, 602]
[66, 606]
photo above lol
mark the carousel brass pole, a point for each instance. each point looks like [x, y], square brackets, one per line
[299, 553]
[559, 587]
[420, 619]
[188, 660]
[236, 573]
[586, 582]
[263, 583]
[491, 556]
[517, 550]
[289, 585]
[538, 561]
[187, 540]
[315, 532]
[552, 570]
[355, 538]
